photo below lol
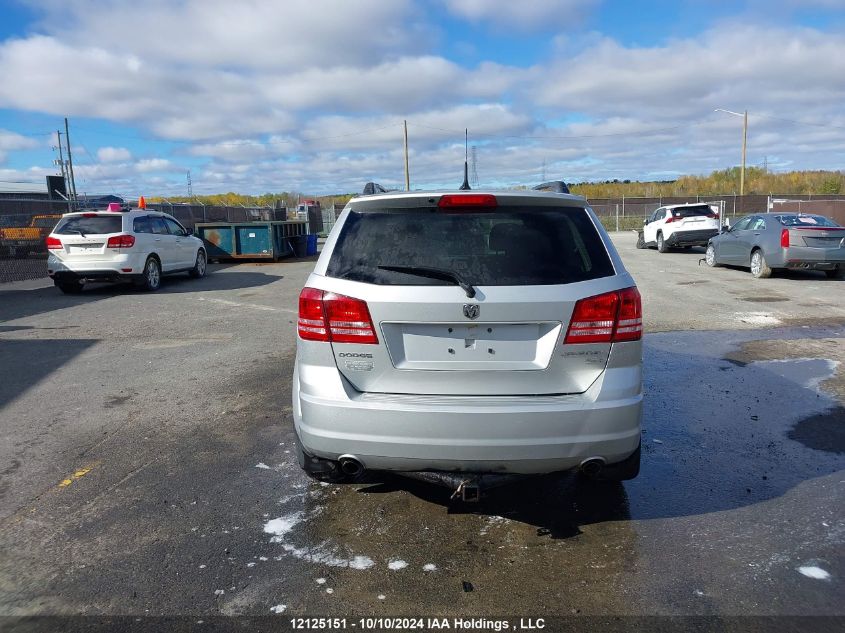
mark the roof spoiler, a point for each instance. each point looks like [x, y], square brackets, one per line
[553, 186]
[372, 188]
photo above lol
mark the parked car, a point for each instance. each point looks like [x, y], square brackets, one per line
[17, 241]
[469, 333]
[767, 242]
[137, 245]
[679, 225]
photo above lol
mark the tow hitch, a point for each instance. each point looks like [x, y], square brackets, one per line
[468, 491]
[468, 487]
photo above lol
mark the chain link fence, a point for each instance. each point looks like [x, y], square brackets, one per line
[23, 254]
[24, 224]
[629, 213]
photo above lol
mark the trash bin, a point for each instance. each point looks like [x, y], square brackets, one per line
[299, 243]
[311, 248]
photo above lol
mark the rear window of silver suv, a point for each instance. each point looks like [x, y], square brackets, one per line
[508, 246]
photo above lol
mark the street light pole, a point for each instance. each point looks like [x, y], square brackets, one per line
[744, 142]
[744, 116]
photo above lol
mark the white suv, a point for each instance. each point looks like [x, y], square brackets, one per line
[468, 335]
[138, 245]
[691, 224]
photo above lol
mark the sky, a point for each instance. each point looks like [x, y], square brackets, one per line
[311, 96]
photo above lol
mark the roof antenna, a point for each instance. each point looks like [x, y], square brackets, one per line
[465, 186]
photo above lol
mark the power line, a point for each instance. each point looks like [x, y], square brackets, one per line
[813, 124]
[572, 137]
[255, 142]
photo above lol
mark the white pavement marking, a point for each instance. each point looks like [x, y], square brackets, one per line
[251, 306]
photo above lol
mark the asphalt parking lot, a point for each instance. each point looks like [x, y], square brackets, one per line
[146, 465]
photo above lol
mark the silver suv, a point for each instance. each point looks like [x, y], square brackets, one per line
[458, 335]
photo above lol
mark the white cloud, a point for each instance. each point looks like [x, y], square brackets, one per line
[426, 129]
[524, 15]
[311, 96]
[95, 82]
[113, 154]
[147, 165]
[11, 141]
[757, 66]
[248, 34]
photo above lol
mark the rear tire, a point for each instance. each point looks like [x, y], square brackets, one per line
[640, 240]
[200, 265]
[69, 287]
[661, 244]
[151, 280]
[836, 273]
[759, 268]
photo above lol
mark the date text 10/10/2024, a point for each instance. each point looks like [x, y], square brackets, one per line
[417, 624]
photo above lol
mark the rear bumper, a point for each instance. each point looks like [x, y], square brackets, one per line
[691, 238]
[813, 258]
[490, 434]
[120, 266]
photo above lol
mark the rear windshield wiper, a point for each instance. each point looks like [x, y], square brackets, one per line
[434, 273]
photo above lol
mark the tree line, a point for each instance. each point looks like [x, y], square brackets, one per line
[725, 181]
[757, 181]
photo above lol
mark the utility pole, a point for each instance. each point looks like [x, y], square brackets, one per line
[64, 173]
[407, 172]
[70, 166]
[190, 186]
[465, 186]
[744, 143]
[62, 159]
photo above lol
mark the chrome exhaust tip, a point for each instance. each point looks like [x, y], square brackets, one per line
[349, 465]
[592, 466]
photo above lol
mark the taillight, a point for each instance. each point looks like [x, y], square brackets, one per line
[349, 319]
[593, 319]
[54, 243]
[312, 322]
[629, 324]
[326, 316]
[611, 317]
[784, 238]
[121, 241]
[714, 215]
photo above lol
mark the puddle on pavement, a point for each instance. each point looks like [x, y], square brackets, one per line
[764, 299]
[822, 432]
[718, 421]
[806, 372]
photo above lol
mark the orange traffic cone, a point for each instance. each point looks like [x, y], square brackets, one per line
[142, 204]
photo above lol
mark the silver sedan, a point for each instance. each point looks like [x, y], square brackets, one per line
[767, 241]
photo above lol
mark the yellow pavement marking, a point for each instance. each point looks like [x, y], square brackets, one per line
[77, 474]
